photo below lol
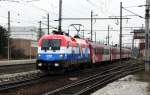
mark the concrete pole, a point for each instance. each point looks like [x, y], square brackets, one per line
[83, 33]
[48, 22]
[108, 36]
[132, 46]
[30, 48]
[91, 25]
[147, 36]
[8, 35]
[95, 37]
[40, 30]
[120, 32]
[60, 16]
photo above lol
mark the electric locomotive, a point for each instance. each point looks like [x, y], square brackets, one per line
[61, 52]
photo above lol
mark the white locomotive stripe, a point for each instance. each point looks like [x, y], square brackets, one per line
[74, 50]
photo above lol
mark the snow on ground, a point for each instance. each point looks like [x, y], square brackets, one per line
[125, 86]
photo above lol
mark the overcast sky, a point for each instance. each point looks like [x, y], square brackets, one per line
[28, 14]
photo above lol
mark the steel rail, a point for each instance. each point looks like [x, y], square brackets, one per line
[26, 80]
[99, 75]
[22, 82]
[35, 79]
[107, 80]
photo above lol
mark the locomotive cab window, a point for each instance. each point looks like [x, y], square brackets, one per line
[45, 44]
[53, 44]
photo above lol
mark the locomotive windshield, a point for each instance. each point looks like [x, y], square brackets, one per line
[53, 44]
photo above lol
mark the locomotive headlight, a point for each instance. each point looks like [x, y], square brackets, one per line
[61, 55]
[56, 64]
[39, 55]
[40, 64]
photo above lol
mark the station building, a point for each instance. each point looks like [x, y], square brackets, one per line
[23, 42]
[140, 34]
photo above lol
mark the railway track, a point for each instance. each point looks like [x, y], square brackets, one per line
[103, 74]
[10, 81]
[16, 66]
[86, 85]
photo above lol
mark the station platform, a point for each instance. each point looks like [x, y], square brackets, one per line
[136, 84]
[17, 62]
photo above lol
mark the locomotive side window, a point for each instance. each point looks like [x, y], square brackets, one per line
[68, 44]
[106, 51]
[95, 51]
[98, 50]
[101, 51]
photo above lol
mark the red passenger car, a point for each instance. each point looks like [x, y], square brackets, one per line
[96, 53]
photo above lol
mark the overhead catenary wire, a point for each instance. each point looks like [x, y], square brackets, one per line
[23, 20]
[102, 5]
[42, 10]
[22, 4]
[13, 19]
[133, 13]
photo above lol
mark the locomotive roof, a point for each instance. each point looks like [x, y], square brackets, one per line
[65, 38]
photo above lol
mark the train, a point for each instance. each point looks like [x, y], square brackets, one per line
[62, 52]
